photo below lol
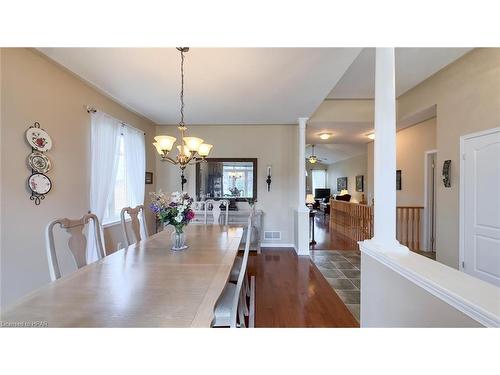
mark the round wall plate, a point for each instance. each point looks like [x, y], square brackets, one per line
[39, 162]
[39, 139]
[39, 183]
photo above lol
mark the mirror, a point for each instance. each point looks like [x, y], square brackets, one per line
[229, 178]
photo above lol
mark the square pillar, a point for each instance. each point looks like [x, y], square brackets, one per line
[384, 168]
[302, 218]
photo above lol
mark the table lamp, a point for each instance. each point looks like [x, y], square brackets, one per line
[309, 200]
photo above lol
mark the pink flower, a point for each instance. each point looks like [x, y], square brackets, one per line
[190, 215]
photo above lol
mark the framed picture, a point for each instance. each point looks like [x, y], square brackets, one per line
[341, 184]
[398, 179]
[149, 178]
[360, 183]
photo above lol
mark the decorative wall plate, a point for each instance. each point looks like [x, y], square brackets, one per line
[39, 183]
[39, 139]
[39, 162]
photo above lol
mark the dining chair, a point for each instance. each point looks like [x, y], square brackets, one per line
[134, 223]
[216, 210]
[77, 242]
[198, 207]
[230, 309]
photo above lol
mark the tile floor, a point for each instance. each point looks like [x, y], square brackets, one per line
[342, 270]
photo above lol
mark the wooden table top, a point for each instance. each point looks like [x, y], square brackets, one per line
[145, 285]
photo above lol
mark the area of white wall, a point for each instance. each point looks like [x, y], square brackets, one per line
[390, 300]
[274, 145]
[467, 96]
[36, 89]
[411, 145]
[349, 168]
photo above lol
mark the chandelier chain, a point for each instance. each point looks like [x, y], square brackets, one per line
[182, 88]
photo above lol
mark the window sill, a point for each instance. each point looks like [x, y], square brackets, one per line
[113, 223]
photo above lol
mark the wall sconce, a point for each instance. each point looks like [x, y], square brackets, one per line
[268, 180]
[446, 173]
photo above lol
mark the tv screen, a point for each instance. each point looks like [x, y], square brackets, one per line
[321, 193]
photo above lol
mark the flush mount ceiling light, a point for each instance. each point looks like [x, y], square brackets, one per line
[325, 136]
[189, 147]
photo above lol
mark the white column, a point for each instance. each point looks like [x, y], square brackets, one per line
[385, 153]
[302, 224]
[302, 162]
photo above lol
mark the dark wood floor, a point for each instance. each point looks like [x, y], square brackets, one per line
[327, 239]
[292, 292]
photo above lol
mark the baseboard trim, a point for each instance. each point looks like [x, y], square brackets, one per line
[278, 244]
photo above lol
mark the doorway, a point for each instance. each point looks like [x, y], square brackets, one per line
[479, 205]
[430, 181]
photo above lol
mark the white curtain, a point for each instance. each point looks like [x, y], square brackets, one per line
[318, 179]
[135, 161]
[104, 139]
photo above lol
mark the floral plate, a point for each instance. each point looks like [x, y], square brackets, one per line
[39, 139]
[39, 162]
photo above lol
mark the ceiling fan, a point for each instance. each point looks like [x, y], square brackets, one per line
[313, 159]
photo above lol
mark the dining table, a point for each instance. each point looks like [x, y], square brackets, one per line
[144, 285]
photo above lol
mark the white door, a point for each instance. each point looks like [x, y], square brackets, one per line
[480, 184]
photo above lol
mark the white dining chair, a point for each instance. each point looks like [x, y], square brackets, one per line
[230, 308]
[77, 242]
[199, 207]
[135, 224]
[216, 210]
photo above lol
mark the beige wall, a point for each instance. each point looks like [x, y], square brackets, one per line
[411, 145]
[33, 88]
[274, 145]
[349, 168]
[467, 95]
[309, 168]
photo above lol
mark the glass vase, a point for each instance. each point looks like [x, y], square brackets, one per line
[178, 239]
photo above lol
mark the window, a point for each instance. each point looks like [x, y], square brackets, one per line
[118, 196]
[318, 179]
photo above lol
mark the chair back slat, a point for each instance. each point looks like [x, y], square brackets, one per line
[241, 278]
[135, 224]
[216, 210]
[77, 242]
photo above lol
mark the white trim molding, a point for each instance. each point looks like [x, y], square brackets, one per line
[277, 245]
[425, 237]
[473, 297]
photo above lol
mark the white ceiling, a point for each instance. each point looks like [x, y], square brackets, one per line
[222, 85]
[332, 153]
[413, 65]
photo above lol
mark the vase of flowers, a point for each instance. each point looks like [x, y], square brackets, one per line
[174, 209]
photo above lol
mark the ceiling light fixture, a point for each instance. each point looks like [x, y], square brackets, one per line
[189, 147]
[325, 136]
[313, 158]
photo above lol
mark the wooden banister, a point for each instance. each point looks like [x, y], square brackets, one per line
[355, 221]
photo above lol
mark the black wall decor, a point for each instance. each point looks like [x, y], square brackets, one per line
[268, 180]
[398, 179]
[446, 173]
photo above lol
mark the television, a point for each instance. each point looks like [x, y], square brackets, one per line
[321, 193]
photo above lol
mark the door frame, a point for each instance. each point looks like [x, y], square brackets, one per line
[426, 198]
[461, 227]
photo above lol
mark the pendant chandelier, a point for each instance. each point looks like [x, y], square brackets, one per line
[191, 150]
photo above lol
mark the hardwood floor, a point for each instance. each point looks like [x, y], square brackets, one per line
[292, 292]
[327, 239]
